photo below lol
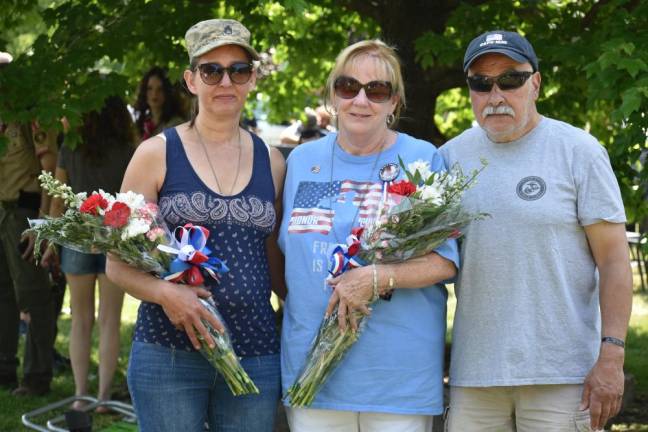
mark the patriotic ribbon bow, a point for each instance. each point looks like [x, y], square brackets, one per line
[190, 246]
[343, 256]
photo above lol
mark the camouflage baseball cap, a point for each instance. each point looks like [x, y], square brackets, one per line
[207, 35]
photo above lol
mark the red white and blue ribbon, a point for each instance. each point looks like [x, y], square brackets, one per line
[189, 244]
[344, 257]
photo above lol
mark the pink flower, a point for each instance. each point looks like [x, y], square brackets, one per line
[155, 234]
[148, 212]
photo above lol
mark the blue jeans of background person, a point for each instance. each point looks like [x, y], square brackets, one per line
[80, 263]
[175, 390]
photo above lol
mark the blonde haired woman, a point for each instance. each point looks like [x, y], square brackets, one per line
[391, 380]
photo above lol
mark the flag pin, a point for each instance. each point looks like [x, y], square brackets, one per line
[315, 169]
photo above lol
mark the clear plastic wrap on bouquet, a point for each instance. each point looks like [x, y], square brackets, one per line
[223, 357]
[132, 230]
[326, 352]
[390, 239]
[414, 218]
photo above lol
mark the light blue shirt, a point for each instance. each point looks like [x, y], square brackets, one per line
[397, 364]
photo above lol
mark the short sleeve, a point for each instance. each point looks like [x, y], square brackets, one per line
[450, 251]
[438, 163]
[598, 194]
[44, 141]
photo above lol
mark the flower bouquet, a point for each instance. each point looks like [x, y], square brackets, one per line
[131, 229]
[415, 217]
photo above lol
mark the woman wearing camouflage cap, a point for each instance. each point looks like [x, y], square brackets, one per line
[209, 172]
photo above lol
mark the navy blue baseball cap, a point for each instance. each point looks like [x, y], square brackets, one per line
[511, 44]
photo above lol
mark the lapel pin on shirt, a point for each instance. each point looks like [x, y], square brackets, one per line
[315, 169]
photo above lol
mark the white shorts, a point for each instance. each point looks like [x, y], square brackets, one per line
[318, 420]
[517, 408]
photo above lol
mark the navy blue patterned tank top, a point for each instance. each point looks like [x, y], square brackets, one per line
[239, 226]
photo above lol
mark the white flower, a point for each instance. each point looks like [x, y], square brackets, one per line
[423, 168]
[432, 193]
[135, 227]
[108, 197]
[75, 200]
[131, 199]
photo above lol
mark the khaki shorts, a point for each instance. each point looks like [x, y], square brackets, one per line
[518, 408]
[319, 420]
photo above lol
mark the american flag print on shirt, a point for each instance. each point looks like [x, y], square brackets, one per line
[312, 209]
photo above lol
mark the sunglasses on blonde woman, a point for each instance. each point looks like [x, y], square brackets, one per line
[376, 91]
[212, 73]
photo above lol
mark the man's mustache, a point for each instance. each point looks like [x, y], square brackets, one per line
[500, 109]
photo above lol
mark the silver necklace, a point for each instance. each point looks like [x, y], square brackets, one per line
[238, 165]
[371, 173]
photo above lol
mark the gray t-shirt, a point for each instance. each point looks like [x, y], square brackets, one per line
[88, 175]
[527, 293]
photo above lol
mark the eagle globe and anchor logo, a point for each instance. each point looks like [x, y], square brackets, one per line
[531, 188]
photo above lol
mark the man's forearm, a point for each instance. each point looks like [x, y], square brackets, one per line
[616, 303]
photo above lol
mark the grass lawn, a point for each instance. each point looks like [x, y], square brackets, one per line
[63, 384]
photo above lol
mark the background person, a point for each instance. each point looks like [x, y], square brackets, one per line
[209, 172]
[391, 379]
[548, 359]
[98, 163]
[157, 106]
[24, 287]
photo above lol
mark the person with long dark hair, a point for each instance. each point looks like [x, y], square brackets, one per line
[157, 106]
[97, 163]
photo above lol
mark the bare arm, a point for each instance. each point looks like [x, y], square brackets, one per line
[56, 205]
[47, 154]
[603, 387]
[354, 288]
[56, 209]
[145, 174]
[276, 261]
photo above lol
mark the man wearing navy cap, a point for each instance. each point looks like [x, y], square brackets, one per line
[545, 289]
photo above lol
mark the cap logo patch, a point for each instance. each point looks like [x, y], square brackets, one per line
[227, 30]
[495, 38]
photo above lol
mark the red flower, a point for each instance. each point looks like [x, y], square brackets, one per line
[402, 187]
[455, 234]
[117, 216]
[93, 203]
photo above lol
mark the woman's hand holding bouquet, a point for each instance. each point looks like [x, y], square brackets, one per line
[415, 217]
[132, 230]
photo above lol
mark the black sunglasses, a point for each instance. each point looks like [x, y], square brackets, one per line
[212, 73]
[507, 81]
[376, 91]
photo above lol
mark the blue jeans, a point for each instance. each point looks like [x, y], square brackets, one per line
[74, 262]
[175, 390]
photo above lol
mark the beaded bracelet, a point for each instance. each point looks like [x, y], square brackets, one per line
[376, 294]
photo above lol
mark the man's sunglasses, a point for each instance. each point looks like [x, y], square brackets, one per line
[212, 73]
[507, 81]
[376, 91]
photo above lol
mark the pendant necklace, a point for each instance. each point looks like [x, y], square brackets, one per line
[371, 173]
[238, 164]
